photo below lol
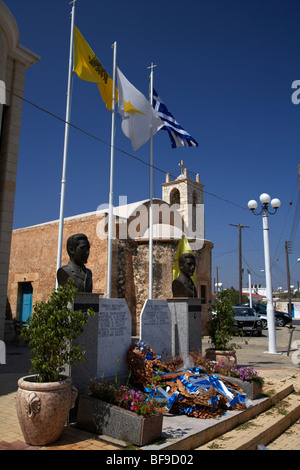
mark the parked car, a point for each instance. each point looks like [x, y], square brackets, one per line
[264, 320]
[247, 321]
[281, 318]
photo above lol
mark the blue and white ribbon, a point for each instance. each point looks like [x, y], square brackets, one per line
[188, 385]
[199, 381]
[162, 395]
[213, 400]
[240, 398]
[220, 386]
[202, 383]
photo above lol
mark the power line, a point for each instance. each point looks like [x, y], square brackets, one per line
[120, 150]
[217, 254]
[285, 221]
[251, 269]
[297, 211]
[296, 219]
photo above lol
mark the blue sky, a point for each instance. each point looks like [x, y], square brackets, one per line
[225, 70]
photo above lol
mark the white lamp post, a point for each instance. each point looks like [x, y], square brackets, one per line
[250, 288]
[265, 199]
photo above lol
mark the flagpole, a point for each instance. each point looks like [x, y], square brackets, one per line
[66, 142]
[150, 295]
[111, 197]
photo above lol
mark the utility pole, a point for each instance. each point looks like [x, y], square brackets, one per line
[240, 226]
[288, 249]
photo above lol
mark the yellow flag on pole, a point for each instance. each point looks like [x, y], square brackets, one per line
[183, 247]
[89, 68]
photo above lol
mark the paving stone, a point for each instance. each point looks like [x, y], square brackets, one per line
[278, 371]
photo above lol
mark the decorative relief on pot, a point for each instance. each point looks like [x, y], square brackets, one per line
[32, 404]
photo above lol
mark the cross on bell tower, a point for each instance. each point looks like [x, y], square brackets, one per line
[183, 169]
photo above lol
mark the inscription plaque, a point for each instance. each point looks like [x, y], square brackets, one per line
[114, 336]
[156, 327]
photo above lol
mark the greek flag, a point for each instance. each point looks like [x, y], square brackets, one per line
[179, 137]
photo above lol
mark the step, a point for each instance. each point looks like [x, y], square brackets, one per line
[184, 433]
[260, 430]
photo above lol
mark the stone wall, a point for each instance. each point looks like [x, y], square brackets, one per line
[34, 253]
[14, 60]
[33, 259]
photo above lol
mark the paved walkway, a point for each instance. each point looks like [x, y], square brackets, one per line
[275, 379]
[274, 368]
[11, 437]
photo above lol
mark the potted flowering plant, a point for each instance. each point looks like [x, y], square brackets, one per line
[120, 412]
[45, 398]
[246, 378]
[123, 396]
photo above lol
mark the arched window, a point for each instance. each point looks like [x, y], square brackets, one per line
[195, 198]
[175, 196]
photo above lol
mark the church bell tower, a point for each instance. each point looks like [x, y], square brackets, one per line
[188, 195]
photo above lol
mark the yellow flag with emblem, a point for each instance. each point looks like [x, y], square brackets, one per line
[89, 68]
[139, 119]
[183, 247]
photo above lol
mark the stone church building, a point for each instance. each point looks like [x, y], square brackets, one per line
[15, 60]
[32, 270]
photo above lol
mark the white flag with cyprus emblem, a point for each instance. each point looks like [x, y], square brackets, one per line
[139, 119]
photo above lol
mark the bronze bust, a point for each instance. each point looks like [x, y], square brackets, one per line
[78, 248]
[183, 285]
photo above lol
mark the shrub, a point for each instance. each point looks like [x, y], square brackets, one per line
[221, 327]
[51, 332]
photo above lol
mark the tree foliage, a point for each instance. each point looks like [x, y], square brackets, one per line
[234, 296]
[51, 332]
[221, 328]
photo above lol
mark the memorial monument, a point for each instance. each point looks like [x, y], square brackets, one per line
[156, 327]
[183, 285]
[106, 339]
[185, 307]
[107, 336]
[78, 248]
